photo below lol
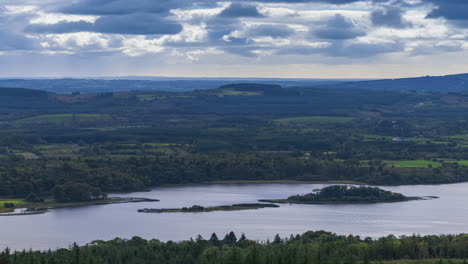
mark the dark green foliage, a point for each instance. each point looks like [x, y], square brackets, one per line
[312, 247]
[77, 192]
[33, 198]
[349, 194]
[136, 140]
[194, 208]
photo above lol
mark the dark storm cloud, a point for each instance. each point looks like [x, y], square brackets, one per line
[389, 16]
[274, 31]
[135, 17]
[455, 11]
[235, 28]
[14, 41]
[133, 24]
[236, 10]
[144, 17]
[11, 37]
[335, 2]
[337, 28]
[120, 7]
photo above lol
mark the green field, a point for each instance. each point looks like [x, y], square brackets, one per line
[49, 203]
[147, 97]
[19, 203]
[233, 92]
[423, 261]
[370, 137]
[63, 118]
[115, 128]
[413, 163]
[316, 119]
[464, 136]
[460, 162]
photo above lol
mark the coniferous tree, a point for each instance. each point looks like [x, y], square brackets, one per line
[214, 240]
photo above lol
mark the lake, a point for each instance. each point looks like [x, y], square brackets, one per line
[62, 227]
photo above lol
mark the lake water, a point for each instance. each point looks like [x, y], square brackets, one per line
[62, 227]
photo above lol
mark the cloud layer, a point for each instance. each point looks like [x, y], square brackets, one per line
[236, 32]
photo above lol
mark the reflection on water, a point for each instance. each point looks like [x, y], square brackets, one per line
[61, 227]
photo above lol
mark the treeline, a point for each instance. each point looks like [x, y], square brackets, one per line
[22, 177]
[310, 248]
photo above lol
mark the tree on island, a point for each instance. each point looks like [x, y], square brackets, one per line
[34, 198]
[345, 193]
[77, 192]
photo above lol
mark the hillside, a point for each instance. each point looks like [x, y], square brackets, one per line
[242, 99]
[245, 132]
[436, 84]
[116, 84]
[19, 102]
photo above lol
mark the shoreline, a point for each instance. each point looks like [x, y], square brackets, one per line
[241, 182]
[286, 201]
[252, 182]
[200, 209]
[36, 210]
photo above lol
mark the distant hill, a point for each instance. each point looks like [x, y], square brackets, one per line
[436, 84]
[101, 85]
[19, 100]
[21, 92]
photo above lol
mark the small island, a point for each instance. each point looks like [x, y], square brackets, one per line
[14, 207]
[345, 194]
[201, 209]
[67, 195]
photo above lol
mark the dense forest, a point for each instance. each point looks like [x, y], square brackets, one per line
[308, 248]
[129, 141]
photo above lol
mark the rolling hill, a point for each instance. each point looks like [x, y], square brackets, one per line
[436, 84]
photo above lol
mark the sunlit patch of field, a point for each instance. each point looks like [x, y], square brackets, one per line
[316, 119]
[422, 261]
[115, 128]
[413, 163]
[233, 92]
[63, 118]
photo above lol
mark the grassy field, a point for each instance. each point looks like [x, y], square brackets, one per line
[423, 261]
[63, 118]
[147, 97]
[369, 137]
[316, 119]
[233, 92]
[464, 136]
[460, 162]
[413, 163]
[428, 140]
[115, 128]
[422, 163]
[48, 203]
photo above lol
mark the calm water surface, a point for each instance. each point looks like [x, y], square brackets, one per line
[61, 227]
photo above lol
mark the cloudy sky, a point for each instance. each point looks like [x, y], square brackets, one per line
[208, 38]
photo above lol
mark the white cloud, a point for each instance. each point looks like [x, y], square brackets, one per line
[54, 18]
[282, 33]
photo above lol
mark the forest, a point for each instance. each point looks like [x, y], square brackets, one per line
[135, 140]
[309, 248]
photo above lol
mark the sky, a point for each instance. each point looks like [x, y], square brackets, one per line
[207, 38]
